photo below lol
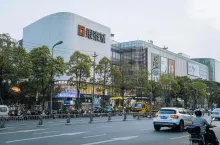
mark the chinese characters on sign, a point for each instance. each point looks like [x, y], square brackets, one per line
[155, 63]
[90, 34]
[193, 69]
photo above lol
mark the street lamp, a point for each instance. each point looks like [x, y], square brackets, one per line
[51, 90]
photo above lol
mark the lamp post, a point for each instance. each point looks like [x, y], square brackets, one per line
[93, 83]
[51, 90]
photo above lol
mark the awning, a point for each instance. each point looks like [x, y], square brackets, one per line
[116, 98]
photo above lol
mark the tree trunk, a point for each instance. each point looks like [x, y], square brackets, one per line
[103, 96]
[77, 99]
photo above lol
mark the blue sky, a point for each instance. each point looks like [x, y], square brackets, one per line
[188, 26]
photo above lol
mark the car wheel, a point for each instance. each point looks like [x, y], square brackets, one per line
[157, 128]
[181, 126]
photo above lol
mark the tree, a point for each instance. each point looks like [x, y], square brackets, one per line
[156, 90]
[14, 64]
[6, 61]
[104, 72]
[42, 65]
[170, 87]
[141, 82]
[212, 88]
[78, 68]
[183, 81]
[200, 91]
[116, 80]
[127, 84]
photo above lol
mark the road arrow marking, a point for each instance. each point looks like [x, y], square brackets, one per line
[112, 140]
[51, 136]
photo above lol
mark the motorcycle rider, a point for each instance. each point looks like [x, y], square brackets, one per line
[202, 123]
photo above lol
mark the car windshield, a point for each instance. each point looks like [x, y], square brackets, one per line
[3, 109]
[137, 105]
[167, 111]
[217, 110]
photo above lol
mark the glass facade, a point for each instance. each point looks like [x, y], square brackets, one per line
[211, 63]
[133, 53]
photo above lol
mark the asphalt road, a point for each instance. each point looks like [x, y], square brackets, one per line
[136, 132]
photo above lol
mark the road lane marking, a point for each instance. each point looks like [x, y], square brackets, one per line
[94, 136]
[112, 140]
[146, 129]
[42, 137]
[103, 126]
[179, 137]
[46, 132]
[23, 131]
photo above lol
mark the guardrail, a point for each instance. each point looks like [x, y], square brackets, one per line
[70, 119]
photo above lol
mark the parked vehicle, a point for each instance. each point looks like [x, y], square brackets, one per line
[140, 107]
[172, 117]
[4, 111]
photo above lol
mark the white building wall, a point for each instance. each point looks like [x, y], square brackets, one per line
[63, 26]
[181, 67]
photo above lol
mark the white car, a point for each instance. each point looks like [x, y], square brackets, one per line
[176, 118]
[215, 113]
[4, 111]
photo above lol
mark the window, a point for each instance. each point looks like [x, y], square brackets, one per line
[137, 105]
[3, 109]
[181, 111]
[167, 111]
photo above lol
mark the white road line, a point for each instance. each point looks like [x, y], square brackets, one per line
[46, 132]
[94, 136]
[146, 129]
[51, 136]
[180, 137]
[22, 131]
[111, 140]
[103, 126]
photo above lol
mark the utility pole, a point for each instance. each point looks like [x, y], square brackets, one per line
[93, 83]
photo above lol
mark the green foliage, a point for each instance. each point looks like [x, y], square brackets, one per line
[104, 72]
[200, 88]
[170, 87]
[42, 66]
[141, 82]
[14, 64]
[116, 81]
[127, 84]
[183, 82]
[78, 68]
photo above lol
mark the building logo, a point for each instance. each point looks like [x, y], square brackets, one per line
[90, 34]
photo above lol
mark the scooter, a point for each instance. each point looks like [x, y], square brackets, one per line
[196, 138]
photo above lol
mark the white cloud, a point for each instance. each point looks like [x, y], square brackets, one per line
[207, 10]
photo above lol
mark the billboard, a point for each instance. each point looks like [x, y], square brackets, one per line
[164, 65]
[171, 64]
[193, 69]
[155, 66]
[63, 89]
